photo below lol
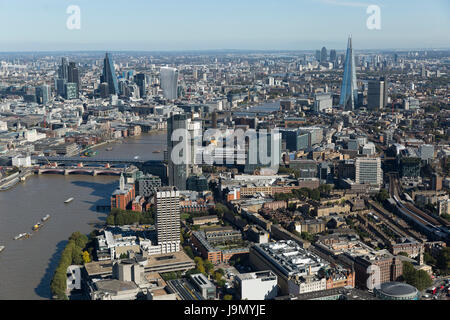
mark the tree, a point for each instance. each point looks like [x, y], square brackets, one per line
[382, 195]
[417, 278]
[209, 267]
[228, 297]
[315, 195]
[443, 261]
[80, 239]
[422, 280]
[188, 251]
[307, 236]
[428, 259]
[86, 257]
[199, 264]
[217, 276]
[77, 255]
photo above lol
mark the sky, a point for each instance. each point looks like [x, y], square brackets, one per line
[175, 25]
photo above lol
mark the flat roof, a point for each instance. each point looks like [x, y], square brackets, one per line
[98, 268]
[115, 286]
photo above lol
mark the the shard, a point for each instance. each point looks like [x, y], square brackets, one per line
[349, 89]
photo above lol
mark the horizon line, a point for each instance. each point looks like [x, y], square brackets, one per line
[221, 50]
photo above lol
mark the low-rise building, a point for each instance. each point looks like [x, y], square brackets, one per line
[260, 285]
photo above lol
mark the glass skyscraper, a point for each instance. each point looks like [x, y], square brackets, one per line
[349, 89]
[169, 82]
[178, 173]
[109, 75]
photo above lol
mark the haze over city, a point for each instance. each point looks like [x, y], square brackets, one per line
[212, 25]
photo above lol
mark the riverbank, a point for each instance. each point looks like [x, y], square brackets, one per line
[27, 203]
[12, 180]
[44, 194]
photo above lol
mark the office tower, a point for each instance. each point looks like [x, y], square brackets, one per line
[169, 82]
[70, 91]
[42, 94]
[109, 75]
[368, 171]
[146, 185]
[349, 89]
[60, 86]
[318, 54]
[323, 55]
[377, 94]
[178, 173]
[141, 81]
[63, 71]
[73, 75]
[333, 56]
[167, 219]
[104, 90]
[268, 151]
[63, 76]
[323, 102]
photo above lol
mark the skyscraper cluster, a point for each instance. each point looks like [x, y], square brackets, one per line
[68, 81]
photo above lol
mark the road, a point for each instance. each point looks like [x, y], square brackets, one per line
[441, 294]
[184, 289]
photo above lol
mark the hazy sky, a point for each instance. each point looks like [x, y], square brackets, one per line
[29, 25]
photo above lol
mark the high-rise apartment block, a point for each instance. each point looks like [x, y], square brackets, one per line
[167, 220]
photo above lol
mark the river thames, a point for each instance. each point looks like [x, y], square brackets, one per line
[27, 266]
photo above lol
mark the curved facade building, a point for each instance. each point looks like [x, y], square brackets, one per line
[397, 291]
[169, 82]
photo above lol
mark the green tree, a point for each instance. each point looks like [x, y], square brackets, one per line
[417, 278]
[209, 267]
[188, 251]
[382, 195]
[307, 236]
[77, 255]
[80, 239]
[443, 261]
[199, 264]
[315, 195]
[428, 259]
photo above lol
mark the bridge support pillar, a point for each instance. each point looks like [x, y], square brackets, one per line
[66, 173]
[94, 173]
